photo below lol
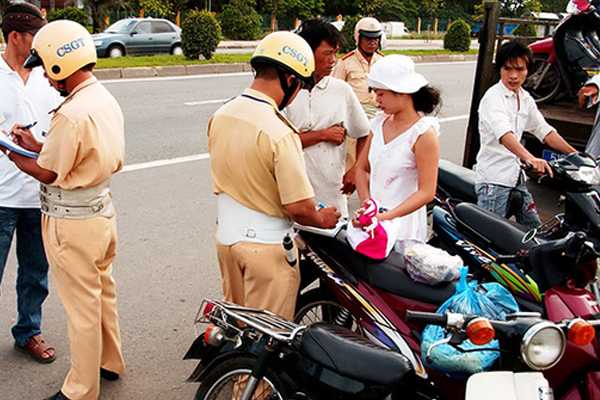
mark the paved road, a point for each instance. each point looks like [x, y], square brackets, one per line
[166, 261]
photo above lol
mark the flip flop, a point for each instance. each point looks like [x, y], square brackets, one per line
[36, 348]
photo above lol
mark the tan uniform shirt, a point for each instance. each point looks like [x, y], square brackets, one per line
[352, 68]
[255, 156]
[86, 142]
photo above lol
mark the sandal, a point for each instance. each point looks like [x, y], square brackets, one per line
[37, 348]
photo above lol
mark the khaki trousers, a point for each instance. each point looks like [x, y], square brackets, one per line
[257, 275]
[80, 254]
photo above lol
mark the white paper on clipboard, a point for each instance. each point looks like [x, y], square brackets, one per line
[7, 142]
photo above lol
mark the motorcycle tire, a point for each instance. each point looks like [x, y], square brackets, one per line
[220, 383]
[551, 85]
[316, 305]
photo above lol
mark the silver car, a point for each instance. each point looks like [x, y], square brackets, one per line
[139, 36]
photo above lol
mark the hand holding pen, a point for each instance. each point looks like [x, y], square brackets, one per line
[22, 135]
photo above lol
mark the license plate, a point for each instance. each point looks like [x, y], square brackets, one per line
[550, 155]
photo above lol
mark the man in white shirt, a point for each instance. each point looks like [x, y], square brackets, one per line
[324, 116]
[505, 112]
[26, 98]
[589, 92]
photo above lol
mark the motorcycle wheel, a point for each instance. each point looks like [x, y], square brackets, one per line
[317, 306]
[223, 382]
[550, 86]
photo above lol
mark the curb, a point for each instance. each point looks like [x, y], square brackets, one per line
[209, 69]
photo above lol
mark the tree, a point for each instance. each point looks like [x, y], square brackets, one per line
[200, 34]
[99, 11]
[240, 21]
[303, 9]
[167, 8]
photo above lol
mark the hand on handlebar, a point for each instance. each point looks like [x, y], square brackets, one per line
[539, 165]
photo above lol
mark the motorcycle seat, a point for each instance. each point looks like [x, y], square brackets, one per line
[505, 236]
[353, 356]
[457, 181]
[388, 274]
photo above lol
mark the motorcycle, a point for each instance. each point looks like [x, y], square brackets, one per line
[372, 297]
[576, 176]
[254, 354]
[564, 62]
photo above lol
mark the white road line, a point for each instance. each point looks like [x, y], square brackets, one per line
[455, 118]
[200, 103]
[205, 156]
[174, 78]
[162, 163]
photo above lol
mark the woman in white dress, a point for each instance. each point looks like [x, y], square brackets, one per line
[399, 168]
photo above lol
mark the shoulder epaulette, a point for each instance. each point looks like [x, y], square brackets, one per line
[347, 55]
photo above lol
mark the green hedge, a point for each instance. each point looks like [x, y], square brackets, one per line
[458, 37]
[200, 34]
[70, 13]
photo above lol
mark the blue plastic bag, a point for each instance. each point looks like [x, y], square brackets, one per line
[490, 300]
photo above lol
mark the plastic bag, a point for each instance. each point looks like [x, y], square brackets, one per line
[489, 300]
[430, 265]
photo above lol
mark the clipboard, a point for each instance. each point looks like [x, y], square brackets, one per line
[7, 142]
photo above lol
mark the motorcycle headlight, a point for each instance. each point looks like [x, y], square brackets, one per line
[543, 345]
[587, 175]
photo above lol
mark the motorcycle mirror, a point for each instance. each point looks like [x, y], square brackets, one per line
[529, 236]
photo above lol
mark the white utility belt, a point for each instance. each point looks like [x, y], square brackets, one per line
[77, 203]
[238, 223]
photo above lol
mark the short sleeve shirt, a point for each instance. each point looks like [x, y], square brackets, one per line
[331, 102]
[86, 141]
[23, 103]
[256, 156]
[352, 68]
[501, 112]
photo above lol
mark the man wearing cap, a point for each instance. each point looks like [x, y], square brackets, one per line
[354, 66]
[26, 98]
[326, 116]
[84, 147]
[505, 112]
[260, 179]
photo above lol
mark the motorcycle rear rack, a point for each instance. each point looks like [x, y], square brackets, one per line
[262, 320]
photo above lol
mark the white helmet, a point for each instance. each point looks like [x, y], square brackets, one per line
[368, 27]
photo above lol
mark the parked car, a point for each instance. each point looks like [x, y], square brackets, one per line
[139, 36]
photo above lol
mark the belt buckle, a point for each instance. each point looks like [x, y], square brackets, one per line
[250, 233]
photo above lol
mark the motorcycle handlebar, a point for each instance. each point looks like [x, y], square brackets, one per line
[426, 318]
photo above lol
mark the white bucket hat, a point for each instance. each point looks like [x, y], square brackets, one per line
[396, 73]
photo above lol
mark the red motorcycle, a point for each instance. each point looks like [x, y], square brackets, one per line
[563, 63]
[372, 298]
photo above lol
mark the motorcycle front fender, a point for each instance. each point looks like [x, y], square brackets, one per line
[506, 385]
[207, 354]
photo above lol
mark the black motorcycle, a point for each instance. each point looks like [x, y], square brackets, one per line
[254, 354]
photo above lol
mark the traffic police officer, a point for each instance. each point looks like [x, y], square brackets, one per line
[260, 178]
[84, 147]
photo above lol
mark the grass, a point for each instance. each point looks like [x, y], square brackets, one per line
[161, 60]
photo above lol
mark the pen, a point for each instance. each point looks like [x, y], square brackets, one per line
[31, 125]
[321, 205]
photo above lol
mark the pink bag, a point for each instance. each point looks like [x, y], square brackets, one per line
[375, 238]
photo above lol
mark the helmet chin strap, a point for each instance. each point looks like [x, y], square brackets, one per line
[61, 85]
[288, 90]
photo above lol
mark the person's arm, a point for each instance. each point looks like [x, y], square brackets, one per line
[349, 180]
[427, 155]
[25, 139]
[363, 171]
[539, 165]
[590, 90]
[557, 142]
[30, 167]
[334, 134]
[304, 212]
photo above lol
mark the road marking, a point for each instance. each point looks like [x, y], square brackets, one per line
[201, 103]
[162, 163]
[174, 78]
[455, 118]
[206, 156]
